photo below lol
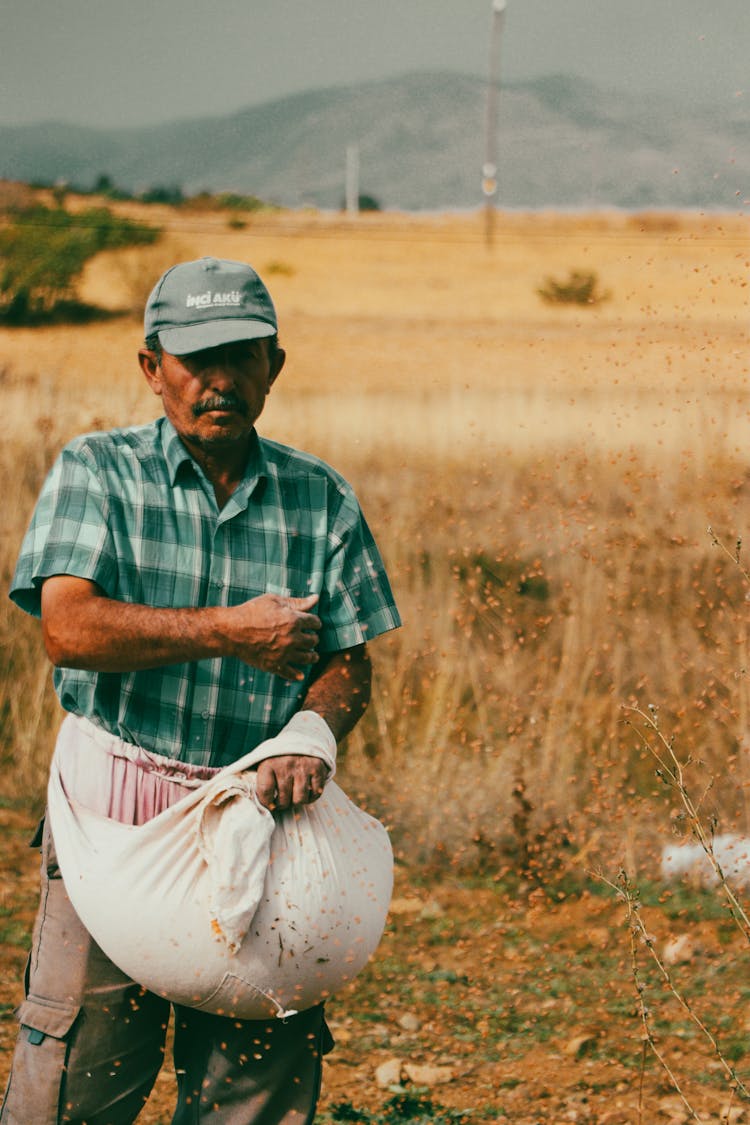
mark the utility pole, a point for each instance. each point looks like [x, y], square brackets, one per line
[489, 168]
[352, 180]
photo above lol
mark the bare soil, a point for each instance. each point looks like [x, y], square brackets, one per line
[507, 1001]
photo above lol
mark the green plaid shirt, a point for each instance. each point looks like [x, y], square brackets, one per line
[131, 511]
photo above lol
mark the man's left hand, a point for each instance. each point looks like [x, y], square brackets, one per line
[289, 781]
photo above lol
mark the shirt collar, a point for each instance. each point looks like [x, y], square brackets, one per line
[176, 455]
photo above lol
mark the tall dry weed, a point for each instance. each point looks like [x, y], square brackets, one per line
[540, 487]
[528, 625]
[538, 595]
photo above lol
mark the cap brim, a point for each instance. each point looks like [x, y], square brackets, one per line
[196, 337]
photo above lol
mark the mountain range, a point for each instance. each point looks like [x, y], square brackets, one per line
[561, 142]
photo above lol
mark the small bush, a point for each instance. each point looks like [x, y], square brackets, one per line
[226, 201]
[234, 202]
[580, 288]
[404, 1109]
[369, 203]
[365, 202]
[105, 186]
[170, 194]
[279, 268]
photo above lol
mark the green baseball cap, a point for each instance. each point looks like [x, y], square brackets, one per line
[209, 302]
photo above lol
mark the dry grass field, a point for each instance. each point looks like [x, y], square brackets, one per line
[541, 479]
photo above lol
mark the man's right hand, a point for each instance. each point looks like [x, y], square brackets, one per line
[276, 634]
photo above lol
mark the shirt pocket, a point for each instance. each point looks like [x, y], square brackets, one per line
[255, 583]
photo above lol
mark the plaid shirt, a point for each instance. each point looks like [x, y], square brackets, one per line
[131, 511]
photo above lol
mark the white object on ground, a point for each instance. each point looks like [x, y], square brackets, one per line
[732, 853]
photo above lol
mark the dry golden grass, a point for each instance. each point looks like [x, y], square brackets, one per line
[540, 479]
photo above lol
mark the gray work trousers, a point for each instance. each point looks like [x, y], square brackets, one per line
[91, 1041]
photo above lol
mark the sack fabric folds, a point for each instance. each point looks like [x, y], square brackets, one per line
[218, 904]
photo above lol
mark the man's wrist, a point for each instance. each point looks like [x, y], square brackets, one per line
[311, 727]
[307, 734]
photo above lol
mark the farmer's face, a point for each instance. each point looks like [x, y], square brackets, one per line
[214, 397]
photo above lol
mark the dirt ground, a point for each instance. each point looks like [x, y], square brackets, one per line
[493, 1002]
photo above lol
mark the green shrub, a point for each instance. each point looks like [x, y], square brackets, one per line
[580, 288]
[234, 202]
[43, 252]
[404, 1109]
[170, 194]
[279, 268]
[365, 202]
[226, 201]
[104, 185]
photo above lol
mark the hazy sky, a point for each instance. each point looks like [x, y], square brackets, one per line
[110, 62]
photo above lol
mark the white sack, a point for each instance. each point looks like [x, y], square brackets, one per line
[731, 852]
[220, 905]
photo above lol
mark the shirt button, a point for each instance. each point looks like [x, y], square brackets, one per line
[204, 714]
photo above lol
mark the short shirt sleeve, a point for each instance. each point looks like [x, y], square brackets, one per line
[356, 602]
[68, 533]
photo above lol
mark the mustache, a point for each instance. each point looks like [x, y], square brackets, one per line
[228, 401]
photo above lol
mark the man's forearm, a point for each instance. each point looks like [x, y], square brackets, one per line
[83, 628]
[112, 636]
[340, 692]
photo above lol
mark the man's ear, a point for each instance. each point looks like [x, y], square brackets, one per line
[151, 368]
[276, 365]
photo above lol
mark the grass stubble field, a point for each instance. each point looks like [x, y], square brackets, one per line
[541, 480]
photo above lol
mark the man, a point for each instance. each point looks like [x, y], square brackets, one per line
[198, 586]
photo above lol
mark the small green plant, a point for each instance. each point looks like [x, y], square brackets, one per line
[580, 288]
[369, 203]
[105, 185]
[279, 268]
[169, 194]
[226, 201]
[365, 202]
[236, 202]
[406, 1109]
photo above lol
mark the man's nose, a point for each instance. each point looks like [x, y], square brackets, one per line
[219, 368]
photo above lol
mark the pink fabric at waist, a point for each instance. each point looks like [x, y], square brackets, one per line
[116, 779]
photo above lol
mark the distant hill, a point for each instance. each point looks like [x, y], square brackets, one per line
[562, 143]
